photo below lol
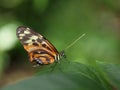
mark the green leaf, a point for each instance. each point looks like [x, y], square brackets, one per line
[112, 72]
[72, 76]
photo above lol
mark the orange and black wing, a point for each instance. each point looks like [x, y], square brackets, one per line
[40, 50]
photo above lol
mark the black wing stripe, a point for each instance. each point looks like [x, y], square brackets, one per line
[42, 52]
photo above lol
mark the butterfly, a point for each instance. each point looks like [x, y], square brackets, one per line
[40, 50]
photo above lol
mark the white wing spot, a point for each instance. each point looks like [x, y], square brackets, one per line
[21, 35]
[26, 32]
[28, 41]
[40, 36]
[18, 31]
[28, 28]
[43, 42]
[34, 37]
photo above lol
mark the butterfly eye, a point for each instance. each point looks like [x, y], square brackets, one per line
[62, 54]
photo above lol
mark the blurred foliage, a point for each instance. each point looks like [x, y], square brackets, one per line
[62, 22]
[75, 76]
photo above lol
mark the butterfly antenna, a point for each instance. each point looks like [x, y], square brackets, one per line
[75, 41]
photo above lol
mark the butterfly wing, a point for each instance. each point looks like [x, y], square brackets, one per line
[40, 50]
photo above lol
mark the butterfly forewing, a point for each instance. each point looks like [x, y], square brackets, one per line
[40, 50]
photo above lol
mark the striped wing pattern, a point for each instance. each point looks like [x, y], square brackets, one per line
[40, 50]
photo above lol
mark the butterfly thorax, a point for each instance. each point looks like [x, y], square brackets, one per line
[60, 56]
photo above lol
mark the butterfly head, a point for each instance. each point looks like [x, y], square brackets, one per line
[62, 54]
